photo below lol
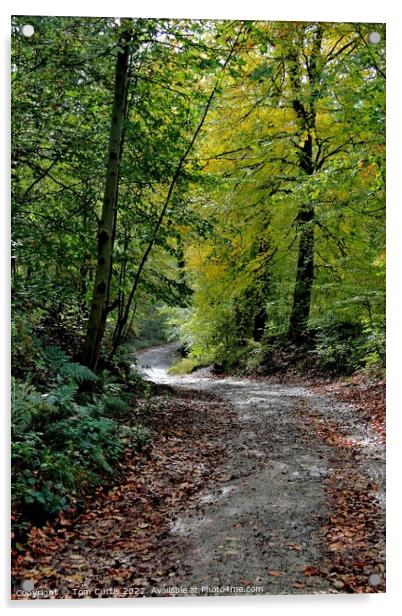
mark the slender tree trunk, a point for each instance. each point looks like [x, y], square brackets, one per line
[181, 263]
[304, 277]
[260, 321]
[260, 309]
[97, 316]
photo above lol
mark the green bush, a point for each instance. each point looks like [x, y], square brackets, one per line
[340, 346]
[26, 350]
[374, 345]
[58, 446]
[185, 365]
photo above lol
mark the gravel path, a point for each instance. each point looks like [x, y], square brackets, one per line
[261, 529]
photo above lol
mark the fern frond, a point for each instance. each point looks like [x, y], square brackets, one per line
[63, 395]
[55, 357]
[79, 373]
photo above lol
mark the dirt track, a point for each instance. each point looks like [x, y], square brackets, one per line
[274, 524]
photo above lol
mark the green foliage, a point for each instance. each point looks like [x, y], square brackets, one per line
[374, 344]
[55, 357]
[260, 190]
[61, 98]
[115, 404]
[340, 346]
[343, 347]
[26, 348]
[63, 368]
[63, 440]
[210, 339]
[141, 435]
[254, 357]
[77, 372]
[186, 365]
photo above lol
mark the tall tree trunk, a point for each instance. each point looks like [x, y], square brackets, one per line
[305, 261]
[260, 317]
[98, 312]
[305, 111]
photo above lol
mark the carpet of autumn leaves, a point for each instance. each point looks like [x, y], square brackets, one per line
[367, 398]
[354, 533]
[122, 539]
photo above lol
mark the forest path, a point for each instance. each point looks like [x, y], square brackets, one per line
[297, 507]
[247, 486]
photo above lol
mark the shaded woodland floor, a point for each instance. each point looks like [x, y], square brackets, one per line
[247, 487]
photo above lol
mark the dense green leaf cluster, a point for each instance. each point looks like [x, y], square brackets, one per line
[66, 440]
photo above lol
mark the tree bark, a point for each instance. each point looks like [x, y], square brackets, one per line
[97, 317]
[306, 115]
[304, 277]
[305, 261]
[260, 321]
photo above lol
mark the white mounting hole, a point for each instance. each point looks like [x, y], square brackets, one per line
[28, 30]
[374, 37]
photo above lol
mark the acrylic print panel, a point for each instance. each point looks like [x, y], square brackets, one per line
[198, 307]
